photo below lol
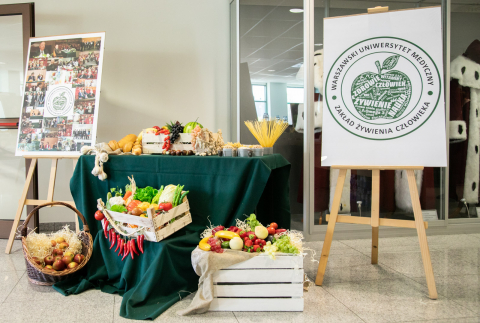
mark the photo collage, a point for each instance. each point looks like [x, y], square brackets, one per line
[52, 120]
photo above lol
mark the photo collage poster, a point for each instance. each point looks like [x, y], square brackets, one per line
[61, 94]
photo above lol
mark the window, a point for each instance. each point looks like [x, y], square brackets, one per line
[295, 94]
[260, 98]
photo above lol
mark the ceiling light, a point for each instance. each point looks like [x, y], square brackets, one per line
[271, 70]
[296, 10]
[318, 44]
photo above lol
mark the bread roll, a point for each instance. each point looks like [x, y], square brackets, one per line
[113, 144]
[127, 147]
[128, 138]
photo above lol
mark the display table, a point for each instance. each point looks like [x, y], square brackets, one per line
[221, 190]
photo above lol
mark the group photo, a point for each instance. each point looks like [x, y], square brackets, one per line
[34, 76]
[85, 93]
[34, 99]
[37, 64]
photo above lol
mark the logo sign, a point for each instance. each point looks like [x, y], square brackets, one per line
[59, 101]
[383, 88]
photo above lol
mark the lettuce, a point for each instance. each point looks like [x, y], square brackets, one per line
[145, 194]
[118, 208]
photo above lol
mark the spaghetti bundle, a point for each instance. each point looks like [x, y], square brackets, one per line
[267, 132]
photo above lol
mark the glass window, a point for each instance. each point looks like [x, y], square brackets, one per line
[260, 98]
[295, 94]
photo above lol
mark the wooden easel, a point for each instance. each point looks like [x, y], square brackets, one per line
[375, 220]
[51, 188]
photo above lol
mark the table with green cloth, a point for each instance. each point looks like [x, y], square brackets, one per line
[222, 189]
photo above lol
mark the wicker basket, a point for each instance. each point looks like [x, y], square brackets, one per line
[38, 275]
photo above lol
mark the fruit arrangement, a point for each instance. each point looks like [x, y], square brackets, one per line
[135, 202]
[251, 236]
[57, 251]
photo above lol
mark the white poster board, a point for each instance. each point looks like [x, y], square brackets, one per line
[383, 86]
[61, 94]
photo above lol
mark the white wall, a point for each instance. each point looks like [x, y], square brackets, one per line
[164, 60]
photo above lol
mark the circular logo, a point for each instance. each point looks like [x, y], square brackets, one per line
[60, 101]
[382, 88]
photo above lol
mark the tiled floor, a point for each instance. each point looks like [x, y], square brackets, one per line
[353, 290]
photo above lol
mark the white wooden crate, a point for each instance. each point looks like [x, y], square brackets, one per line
[260, 284]
[155, 229]
[152, 144]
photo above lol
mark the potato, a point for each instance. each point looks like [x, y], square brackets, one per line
[127, 147]
[128, 138]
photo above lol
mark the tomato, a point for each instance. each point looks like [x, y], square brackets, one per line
[274, 225]
[271, 230]
[99, 215]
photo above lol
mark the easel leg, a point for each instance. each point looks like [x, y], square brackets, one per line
[51, 183]
[77, 225]
[21, 203]
[375, 219]
[422, 236]
[330, 228]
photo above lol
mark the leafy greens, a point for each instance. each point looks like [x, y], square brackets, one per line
[145, 194]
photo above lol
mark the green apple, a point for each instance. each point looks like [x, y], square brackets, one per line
[382, 96]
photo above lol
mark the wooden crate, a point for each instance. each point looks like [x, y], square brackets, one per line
[154, 226]
[260, 284]
[152, 144]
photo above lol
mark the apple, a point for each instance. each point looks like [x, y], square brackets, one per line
[49, 260]
[53, 242]
[382, 96]
[66, 260]
[79, 258]
[37, 260]
[57, 258]
[63, 245]
[72, 265]
[49, 267]
[58, 252]
[58, 265]
[60, 240]
[69, 253]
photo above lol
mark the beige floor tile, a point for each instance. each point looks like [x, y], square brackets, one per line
[170, 315]
[320, 306]
[456, 320]
[394, 301]
[12, 262]
[8, 280]
[465, 289]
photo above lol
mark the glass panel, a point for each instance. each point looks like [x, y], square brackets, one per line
[12, 169]
[356, 199]
[271, 53]
[295, 94]
[259, 92]
[261, 109]
[464, 106]
[11, 66]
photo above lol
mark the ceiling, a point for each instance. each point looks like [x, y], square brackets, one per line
[271, 37]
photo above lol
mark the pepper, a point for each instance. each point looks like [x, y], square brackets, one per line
[113, 237]
[140, 242]
[131, 248]
[127, 195]
[125, 250]
[105, 228]
[118, 242]
[134, 248]
[121, 247]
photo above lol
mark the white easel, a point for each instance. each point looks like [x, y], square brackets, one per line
[51, 188]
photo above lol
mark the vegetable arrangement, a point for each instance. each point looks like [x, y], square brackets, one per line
[135, 202]
[251, 236]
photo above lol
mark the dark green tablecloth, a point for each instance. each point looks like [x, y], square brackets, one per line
[221, 189]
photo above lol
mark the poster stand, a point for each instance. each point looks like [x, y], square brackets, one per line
[51, 188]
[375, 220]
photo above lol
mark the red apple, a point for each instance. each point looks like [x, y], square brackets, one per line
[49, 260]
[69, 253]
[66, 260]
[57, 258]
[72, 265]
[54, 243]
[58, 265]
[63, 245]
[58, 252]
[79, 258]
[37, 260]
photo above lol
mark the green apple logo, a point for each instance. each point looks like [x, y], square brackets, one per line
[377, 95]
[59, 102]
